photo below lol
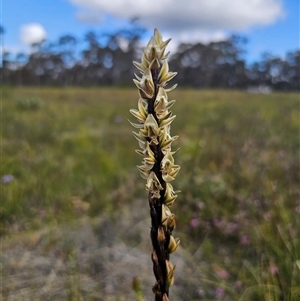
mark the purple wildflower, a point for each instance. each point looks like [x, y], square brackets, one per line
[7, 178]
[231, 228]
[42, 213]
[219, 292]
[194, 223]
[219, 223]
[201, 205]
[223, 274]
[239, 284]
[245, 240]
[273, 269]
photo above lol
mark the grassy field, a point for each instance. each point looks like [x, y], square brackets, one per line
[74, 215]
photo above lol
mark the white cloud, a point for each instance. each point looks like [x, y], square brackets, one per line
[191, 20]
[89, 17]
[32, 33]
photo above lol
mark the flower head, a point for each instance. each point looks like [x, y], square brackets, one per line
[153, 125]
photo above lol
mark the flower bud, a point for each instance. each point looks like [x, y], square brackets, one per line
[173, 244]
[170, 272]
[146, 85]
[170, 222]
[165, 213]
[151, 129]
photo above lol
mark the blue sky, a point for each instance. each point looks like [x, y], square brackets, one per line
[270, 25]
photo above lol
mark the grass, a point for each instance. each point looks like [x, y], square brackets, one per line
[68, 154]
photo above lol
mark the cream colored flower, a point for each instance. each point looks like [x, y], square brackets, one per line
[146, 85]
[170, 272]
[168, 168]
[173, 244]
[164, 74]
[153, 185]
[170, 195]
[151, 129]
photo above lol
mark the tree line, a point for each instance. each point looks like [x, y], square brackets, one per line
[106, 59]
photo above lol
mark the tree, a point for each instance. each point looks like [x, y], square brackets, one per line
[67, 44]
[106, 59]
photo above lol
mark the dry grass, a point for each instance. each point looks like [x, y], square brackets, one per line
[92, 259]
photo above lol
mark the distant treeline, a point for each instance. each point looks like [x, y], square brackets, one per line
[106, 59]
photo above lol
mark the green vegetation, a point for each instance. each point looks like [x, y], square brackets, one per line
[68, 154]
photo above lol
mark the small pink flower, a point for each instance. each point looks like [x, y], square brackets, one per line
[42, 213]
[219, 223]
[239, 284]
[297, 209]
[245, 240]
[194, 223]
[201, 205]
[231, 228]
[219, 292]
[273, 269]
[223, 274]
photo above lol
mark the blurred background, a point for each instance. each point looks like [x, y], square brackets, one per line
[219, 44]
[74, 218]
